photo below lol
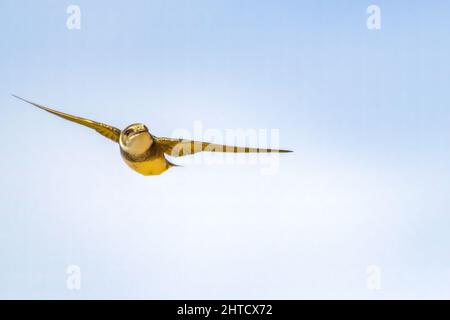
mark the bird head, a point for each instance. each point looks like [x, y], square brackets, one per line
[135, 139]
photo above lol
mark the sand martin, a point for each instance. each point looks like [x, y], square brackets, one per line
[144, 152]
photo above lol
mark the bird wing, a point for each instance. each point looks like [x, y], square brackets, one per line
[182, 147]
[106, 130]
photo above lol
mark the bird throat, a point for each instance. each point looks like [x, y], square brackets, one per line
[139, 157]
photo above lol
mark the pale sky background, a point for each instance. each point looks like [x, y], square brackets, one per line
[366, 112]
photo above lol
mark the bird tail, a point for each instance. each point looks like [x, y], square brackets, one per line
[172, 164]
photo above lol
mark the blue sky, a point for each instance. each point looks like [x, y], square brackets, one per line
[365, 111]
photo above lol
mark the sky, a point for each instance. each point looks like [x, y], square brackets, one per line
[360, 209]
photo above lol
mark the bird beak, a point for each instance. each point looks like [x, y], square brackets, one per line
[137, 132]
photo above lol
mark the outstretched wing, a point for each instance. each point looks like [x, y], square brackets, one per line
[106, 130]
[181, 147]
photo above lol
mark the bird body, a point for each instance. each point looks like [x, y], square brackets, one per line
[152, 162]
[149, 167]
[144, 152]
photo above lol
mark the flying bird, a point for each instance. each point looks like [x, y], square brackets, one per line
[142, 151]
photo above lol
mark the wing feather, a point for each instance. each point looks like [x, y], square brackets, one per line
[183, 147]
[106, 130]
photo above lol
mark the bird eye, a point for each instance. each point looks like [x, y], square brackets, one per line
[128, 131]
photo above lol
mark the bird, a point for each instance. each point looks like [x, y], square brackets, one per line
[144, 152]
